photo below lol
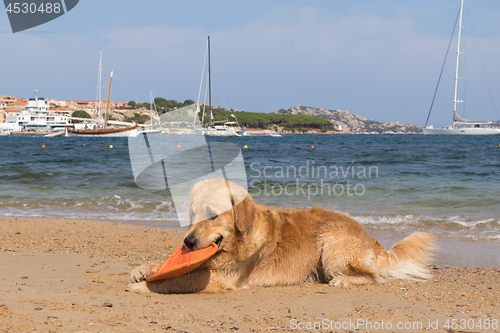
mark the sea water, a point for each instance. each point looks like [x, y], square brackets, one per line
[393, 184]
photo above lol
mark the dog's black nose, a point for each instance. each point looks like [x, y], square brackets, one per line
[191, 241]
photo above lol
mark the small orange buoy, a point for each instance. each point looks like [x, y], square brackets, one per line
[43, 146]
[178, 146]
[312, 146]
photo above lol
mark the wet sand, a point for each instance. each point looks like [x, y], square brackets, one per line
[70, 276]
[452, 252]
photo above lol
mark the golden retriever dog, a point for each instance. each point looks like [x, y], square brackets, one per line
[267, 246]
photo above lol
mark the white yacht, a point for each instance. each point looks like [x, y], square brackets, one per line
[154, 124]
[215, 128]
[35, 116]
[229, 128]
[460, 125]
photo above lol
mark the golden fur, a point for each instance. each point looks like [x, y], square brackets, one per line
[267, 246]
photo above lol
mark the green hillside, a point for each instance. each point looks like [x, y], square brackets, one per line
[291, 122]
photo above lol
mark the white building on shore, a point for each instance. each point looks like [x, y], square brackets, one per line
[35, 116]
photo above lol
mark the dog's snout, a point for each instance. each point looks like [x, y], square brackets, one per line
[191, 241]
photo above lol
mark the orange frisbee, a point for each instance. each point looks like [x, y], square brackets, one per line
[182, 261]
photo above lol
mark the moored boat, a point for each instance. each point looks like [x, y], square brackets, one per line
[460, 125]
[105, 131]
[220, 128]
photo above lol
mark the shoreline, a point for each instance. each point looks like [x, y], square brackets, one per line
[70, 275]
[249, 132]
[452, 252]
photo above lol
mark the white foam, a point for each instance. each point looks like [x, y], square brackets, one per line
[134, 206]
[459, 220]
[393, 220]
[164, 204]
[445, 227]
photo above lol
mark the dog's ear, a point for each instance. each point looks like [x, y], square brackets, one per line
[246, 212]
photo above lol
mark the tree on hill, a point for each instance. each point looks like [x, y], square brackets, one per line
[299, 122]
[79, 114]
[286, 121]
[163, 105]
[137, 118]
[166, 105]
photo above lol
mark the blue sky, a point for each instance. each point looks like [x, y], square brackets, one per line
[379, 59]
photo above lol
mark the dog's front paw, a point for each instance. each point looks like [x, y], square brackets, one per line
[140, 287]
[338, 282]
[142, 272]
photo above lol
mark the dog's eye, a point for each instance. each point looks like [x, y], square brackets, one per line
[211, 214]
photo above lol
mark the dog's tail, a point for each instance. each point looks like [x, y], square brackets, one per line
[408, 258]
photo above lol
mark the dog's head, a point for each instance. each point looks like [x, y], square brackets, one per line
[220, 212]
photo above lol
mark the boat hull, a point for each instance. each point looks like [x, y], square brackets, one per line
[51, 135]
[461, 131]
[150, 131]
[220, 133]
[120, 132]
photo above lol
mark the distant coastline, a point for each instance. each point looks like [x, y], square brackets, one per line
[295, 120]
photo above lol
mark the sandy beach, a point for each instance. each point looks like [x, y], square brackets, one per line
[66, 275]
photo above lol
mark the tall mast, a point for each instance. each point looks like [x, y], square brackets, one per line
[209, 84]
[201, 85]
[151, 106]
[99, 85]
[107, 103]
[455, 101]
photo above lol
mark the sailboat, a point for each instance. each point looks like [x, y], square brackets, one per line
[217, 128]
[130, 131]
[149, 128]
[460, 125]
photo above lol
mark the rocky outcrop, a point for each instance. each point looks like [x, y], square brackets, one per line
[351, 123]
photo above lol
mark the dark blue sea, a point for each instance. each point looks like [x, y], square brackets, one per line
[393, 184]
